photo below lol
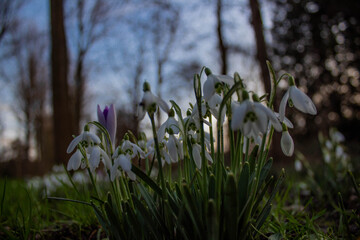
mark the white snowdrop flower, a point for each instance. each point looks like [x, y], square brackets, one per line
[212, 81]
[328, 144]
[327, 157]
[287, 122]
[171, 125]
[287, 144]
[175, 148]
[105, 159]
[298, 165]
[299, 99]
[339, 151]
[338, 136]
[127, 146]
[252, 118]
[196, 153]
[124, 161]
[94, 159]
[75, 161]
[214, 105]
[84, 136]
[194, 116]
[148, 101]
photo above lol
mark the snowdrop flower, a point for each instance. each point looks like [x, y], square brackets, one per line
[75, 161]
[124, 161]
[196, 153]
[338, 136]
[84, 136]
[194, 118]
[212, 82]
[170, 125]
[131, 148]
[299, 99]
[107, 118]
[287, 122]
[175, 148]
[96, 155]
[298, 165]
[214, 105]
[287, 144]
[252, 118]
[149, 102]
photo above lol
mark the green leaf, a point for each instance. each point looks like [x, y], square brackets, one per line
[147, 180]
[243, 185]
[192, 209]
[230, 206]
[265, 171]
[212, 186]
[212, 221]
[252, 158]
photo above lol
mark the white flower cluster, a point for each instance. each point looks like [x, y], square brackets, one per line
[252, 117]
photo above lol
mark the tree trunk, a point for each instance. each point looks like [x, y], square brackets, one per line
[221, 45]
[62, 115]
[260, 43]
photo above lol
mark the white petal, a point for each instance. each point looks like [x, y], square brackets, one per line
[161, 131]
[91, 137]
[271, 115]
[215, 101]
[238, 115]
[287, 144]
[140, 112]
[106, 159]
[208, 157]
[209, 87]
[162, 104]
[226, 79]
[287, 122]
[196, 155]
[75, 161]
[124, 163]
[74, 143]
[173, 124]
[94, 159]
[262, 120]
[301, 101]
[131, 175]
[283, 106]
[171, 146]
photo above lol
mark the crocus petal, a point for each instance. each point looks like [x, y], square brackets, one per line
[101, 117]
[75, 161]
[301, 101]
[283, 106]
[287, 144]
[111, 123]
[74, 143]
[209, 87]
[196, 155]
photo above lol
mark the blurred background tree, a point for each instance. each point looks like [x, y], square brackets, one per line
[319, 42]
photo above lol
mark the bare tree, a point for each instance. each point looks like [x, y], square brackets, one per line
[261, 55]
[8, 11]
[220, 37]
[62, 116]
[28, 48]
[93, 22]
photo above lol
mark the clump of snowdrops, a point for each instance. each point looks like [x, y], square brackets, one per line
[204, 198]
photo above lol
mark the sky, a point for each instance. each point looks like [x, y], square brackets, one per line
[109, 59]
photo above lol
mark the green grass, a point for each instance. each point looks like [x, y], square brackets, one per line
[27, 213]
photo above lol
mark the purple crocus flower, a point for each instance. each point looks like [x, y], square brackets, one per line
[107, 118]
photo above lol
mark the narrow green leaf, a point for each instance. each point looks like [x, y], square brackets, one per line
[192, 209]
[252, 158]
[147, 180]
[212, 186]
[265, 171]
[243, 185]
[212, 221]
[230, 206]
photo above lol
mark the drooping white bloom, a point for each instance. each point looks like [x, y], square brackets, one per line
[286, 121]
[148, 100]
[252, 118]
[214, 105]
[196, 154]
[211, 82]
[75, 161]
[84, 136]
[298, 165]
[134, 149]
[299, 99]
[94, 159]
[175, 148]
[123, 161]
[287, 144]
[170, 123]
